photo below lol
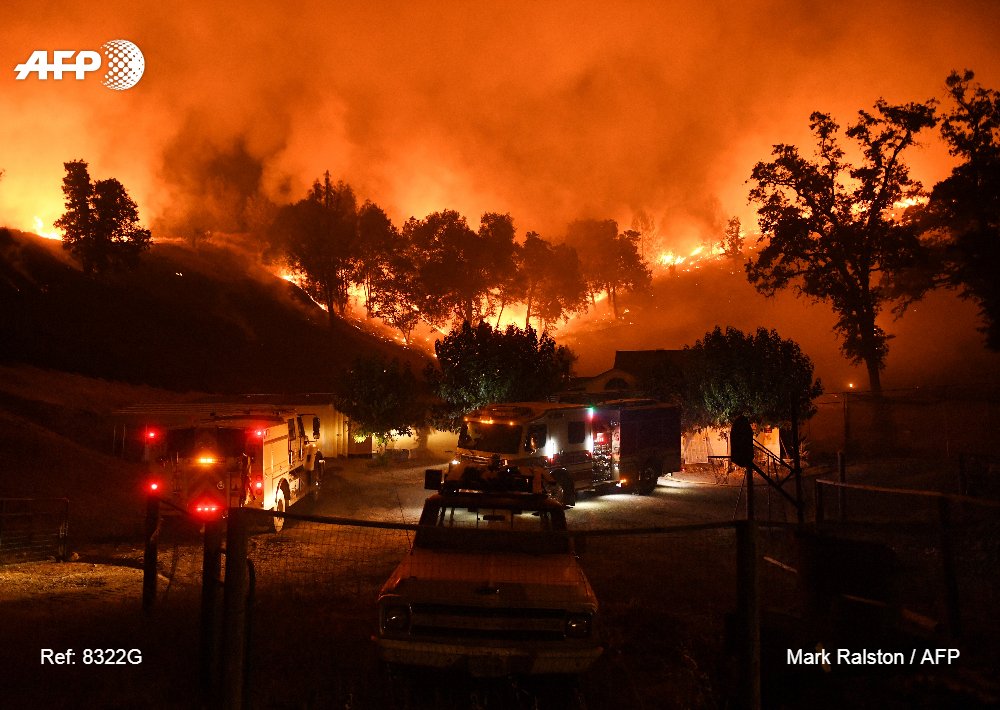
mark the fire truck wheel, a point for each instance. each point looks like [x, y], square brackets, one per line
[280, 507]
[563, 490]
[648, 477]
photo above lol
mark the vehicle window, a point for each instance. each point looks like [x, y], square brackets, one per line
[492, 529]
[577, 432]
[498, 438]
[535, 440]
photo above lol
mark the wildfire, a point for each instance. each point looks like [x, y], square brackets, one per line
[40, 230]
[693, 259]
[910, 202]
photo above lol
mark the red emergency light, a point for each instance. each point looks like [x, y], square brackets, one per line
[151, 434]
[207, 509]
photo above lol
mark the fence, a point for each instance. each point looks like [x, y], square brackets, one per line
[33, 529]
[927, 421]
[665, 595]
[294, 628]
[943, 551]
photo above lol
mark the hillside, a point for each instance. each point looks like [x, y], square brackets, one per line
[210, 319]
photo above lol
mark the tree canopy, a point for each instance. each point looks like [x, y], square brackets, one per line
[382, 399]
[760, 375]
[826, 224]
[481, 365]
[101, 223]
[319, 234]
[966, 204]
[552, 282]
[609, 260]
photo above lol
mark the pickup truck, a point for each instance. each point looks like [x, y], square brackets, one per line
[491, 586]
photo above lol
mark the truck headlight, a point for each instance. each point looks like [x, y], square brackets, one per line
[395, 618]
[578, 626]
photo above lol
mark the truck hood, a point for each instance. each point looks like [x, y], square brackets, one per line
[492, 579]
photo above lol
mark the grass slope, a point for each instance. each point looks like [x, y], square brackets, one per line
[209, 319]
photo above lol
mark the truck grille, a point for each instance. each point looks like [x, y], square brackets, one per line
[488, 623]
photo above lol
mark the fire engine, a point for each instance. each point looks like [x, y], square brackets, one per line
[625, 444]
[267, 460]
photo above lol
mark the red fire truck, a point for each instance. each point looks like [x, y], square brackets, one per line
[267, 460]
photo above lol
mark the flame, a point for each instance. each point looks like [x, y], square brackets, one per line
[910, 202]
[41, 231]
[671, 259]
[693, 259]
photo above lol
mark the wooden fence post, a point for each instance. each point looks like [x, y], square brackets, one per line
[948, 568]
[748, 586]
[234, 612]
[211, 568]
[149, 561]
[842, 491]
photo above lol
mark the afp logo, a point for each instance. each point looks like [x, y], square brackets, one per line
[123, 64]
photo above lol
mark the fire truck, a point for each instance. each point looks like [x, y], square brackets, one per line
[623, 444]
[266, 460]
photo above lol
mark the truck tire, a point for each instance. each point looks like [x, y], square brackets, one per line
[562, 490]
[649, 474]
[280, 506]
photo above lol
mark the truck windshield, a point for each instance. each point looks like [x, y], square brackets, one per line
[495, 438]
[493, 529]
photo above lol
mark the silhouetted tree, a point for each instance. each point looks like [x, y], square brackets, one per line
[826, 226]
[382, 399]
[101, 223]
[480, 365]
[398, 295]
[592, 240]
[319, 234]
[452, 264]
[967, 203]
[643, 223]
[500, 251]
[378, 241]
[732, 239]
[553, 285]
[760, 375]
[609, 261]
[628, 271]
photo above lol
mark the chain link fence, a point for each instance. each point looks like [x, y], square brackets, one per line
[674, 605]
[33, 529]
[941, 554]
[668, 619]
